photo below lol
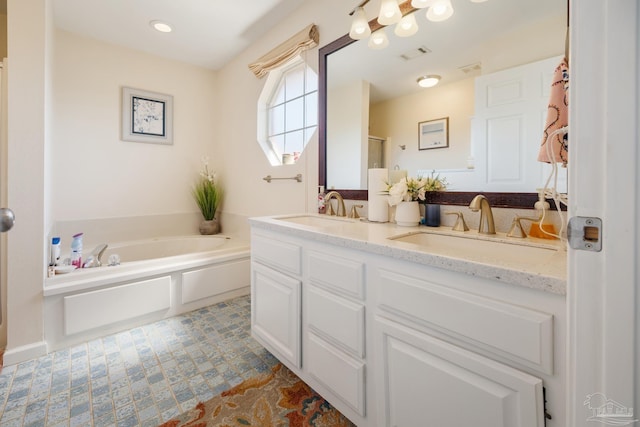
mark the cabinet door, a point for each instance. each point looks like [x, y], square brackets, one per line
[276, 312]
[427, 382]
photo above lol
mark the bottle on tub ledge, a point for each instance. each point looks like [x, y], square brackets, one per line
[76, 250]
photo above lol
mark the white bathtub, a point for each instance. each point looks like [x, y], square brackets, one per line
[141, 250]
[157, 278]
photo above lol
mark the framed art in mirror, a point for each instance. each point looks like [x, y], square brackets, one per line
[433, 134]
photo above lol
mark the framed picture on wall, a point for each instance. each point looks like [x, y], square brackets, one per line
[433, 134]
[147, 116]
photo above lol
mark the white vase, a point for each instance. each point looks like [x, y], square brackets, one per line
[408, 214]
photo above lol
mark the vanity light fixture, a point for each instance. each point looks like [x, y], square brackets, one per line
[440, 10]
[428, 81]
[379, 39]
[389, 12]
[161, 26]
[360, 26]
[407, 26]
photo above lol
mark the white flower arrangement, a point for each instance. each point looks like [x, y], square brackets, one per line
[413, 189]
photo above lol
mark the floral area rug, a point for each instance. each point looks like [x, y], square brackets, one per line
[278, 398]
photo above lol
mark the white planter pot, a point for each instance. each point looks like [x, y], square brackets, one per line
[408, 214]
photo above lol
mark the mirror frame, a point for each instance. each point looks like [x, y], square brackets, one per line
[460, 198]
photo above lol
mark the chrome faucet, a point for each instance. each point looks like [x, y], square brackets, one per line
[94, 260]
[329, 206]
[480, 203]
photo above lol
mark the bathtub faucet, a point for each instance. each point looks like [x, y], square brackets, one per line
[94, 259]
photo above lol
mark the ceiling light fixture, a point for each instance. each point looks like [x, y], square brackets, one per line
[379, 39]
[391, 12]
[428, 81]
[440, 10]
[161, 26]
[407, 26]
[360, 26]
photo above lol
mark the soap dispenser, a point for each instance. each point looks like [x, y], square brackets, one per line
[543, 228]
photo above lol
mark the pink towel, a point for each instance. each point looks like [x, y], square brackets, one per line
[557, 117]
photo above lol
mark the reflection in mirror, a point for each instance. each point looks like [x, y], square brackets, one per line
[495, 60]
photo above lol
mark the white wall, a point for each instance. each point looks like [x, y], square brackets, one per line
[96, 174]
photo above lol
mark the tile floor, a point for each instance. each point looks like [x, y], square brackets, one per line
[141, 377]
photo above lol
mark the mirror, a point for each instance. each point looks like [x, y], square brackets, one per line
[479, 40]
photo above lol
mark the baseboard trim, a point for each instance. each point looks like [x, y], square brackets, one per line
[16, 355]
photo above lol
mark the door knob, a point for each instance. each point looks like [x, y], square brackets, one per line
[7, 219]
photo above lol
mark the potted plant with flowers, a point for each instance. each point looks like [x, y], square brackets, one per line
[208, 196]
[408, 192]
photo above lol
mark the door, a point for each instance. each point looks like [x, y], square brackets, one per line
[276, 312]
[603, 139]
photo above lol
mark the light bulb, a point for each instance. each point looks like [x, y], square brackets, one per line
[360, 26]
[428, 81]
[389, 12]
[163, 27]
[440, 10]
[378, 40]
[407, 26]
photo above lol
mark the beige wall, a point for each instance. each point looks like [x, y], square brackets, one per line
[26, 175]
[96, 174]
[348, 136]
[244, 162]
[397, 120]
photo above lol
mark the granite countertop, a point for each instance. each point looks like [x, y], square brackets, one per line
[533, 263]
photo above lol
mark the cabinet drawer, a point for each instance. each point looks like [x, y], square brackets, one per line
[520, 334]
[336, 319]
[341, 374]
[338, 274]
[282, 255]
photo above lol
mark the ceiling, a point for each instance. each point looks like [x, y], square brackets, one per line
[493, 35]
[207, 33]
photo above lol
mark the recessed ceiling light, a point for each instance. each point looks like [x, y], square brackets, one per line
[163, 27]
[428, 81]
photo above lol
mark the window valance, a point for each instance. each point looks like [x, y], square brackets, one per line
[305, 39]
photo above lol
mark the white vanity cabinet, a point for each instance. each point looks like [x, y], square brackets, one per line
[308, 309]
[392, 341]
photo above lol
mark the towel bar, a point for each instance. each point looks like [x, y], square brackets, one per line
[269, 178]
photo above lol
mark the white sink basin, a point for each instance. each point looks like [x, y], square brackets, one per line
[483, 249]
